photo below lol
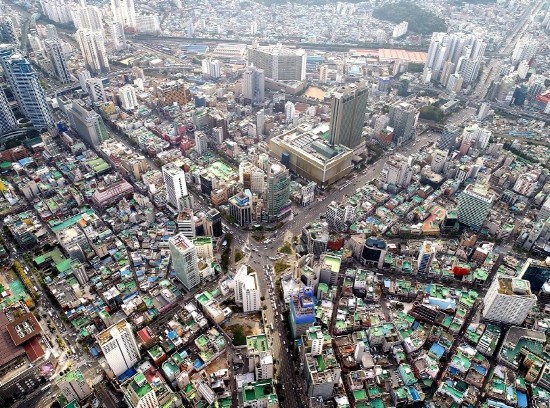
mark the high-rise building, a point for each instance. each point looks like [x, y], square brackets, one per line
[260, 356]
[483, 110]
[439, 157]
[340, 216]
[56, 10]
[247, 290]
[447, 141]
[302, 310]
[544, 213]
[508, 301]
[149, 390]
[403, 118]
[124, 12]
[83, 75]
[73, 386]
[92, 46]
[468, 68]
[400, 29]
[260, 122]
[426, 256]
[59, 63]
[213, 223]
[278, 191]
[85, 16]
[25, 85]
[118, 36]
[454, 83]
[290, 112]
[254, 85]
[87, 123]
[525, 49]
[184, 261]
[8, 34]
[211, 68]
[279, 63]
[148, 24]
[119, 347]
[397, 171]
[176, 187]
[403, 89]
[348, 115]
[474, 203]
[94, 87]
[7, 118]
[128, 98]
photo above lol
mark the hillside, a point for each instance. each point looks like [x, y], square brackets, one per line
[420, 21]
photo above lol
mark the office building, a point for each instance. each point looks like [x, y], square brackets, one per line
[544, 212]
[211, 68]
[173, 92]
[7, 118]
[147, 389]
[348, 115]
[525, 49]
[278, 191]
[474, 204]
[508, 301]
[87, 123]
[302, 310]
[240, 208]
[128, 98]
[118, 36]
[454, 83]
[447, 141]
[25, 86]
[119, 347]
[426, 256]
[468, 68]
[253, 85]
[73, 386]
[373, 252]
[83, 75]
[403, 117]
[315, 237]
[305, 152]
[260, 122]
[279, 63]
[124, 12]
[213, 223]
[186, 223]
[439, 157]
[184, 261]
[204, 246]
[176, 187]
[92, 46]
[59, 63]
[247, 290]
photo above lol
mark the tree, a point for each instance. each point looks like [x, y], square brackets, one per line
[420, 21]
[432, 112]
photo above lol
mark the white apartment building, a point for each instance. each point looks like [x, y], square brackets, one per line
[184, 260]
[92, 46]
[247, 290]
[211, 68]
[508, 301]
[128, 98]
[176, 187]
[119, 347]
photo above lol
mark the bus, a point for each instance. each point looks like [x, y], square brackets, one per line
[44, 388]
[272, 327]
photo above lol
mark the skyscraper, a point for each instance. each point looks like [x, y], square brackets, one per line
[119, 347]
[474, 204]
[124, 12]
[92, 46]
[447, 141]
[253, 85]
[57, 57]
[87, 123]
[7, 118]
[184, 260]
[118, 36]
[7, 31]
[403, 118]
[348, 115]
[247, 290]
[94, 86]
[508, 301]
[26, 87]
[176, 188]
[278, 191]
[279, 63]
[85, 16]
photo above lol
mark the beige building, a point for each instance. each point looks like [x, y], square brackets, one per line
[307, 153]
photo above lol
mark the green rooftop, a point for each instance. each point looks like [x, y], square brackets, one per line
[256, 344]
